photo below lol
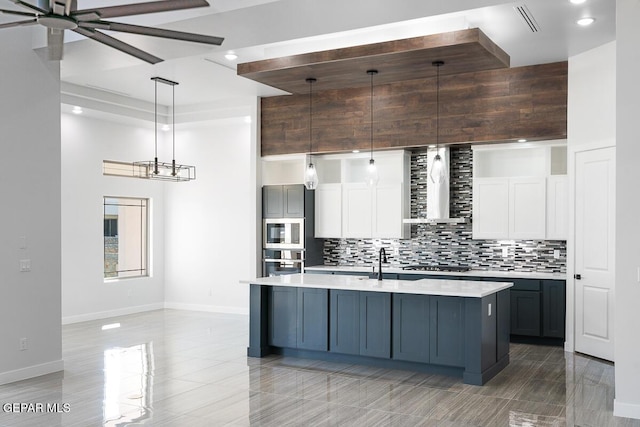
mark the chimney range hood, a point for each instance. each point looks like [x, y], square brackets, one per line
[437, 194]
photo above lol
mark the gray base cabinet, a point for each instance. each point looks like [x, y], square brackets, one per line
[411, 327]
[553, 308]
[375, 324]
[298, 318]
[525, 313]
[344, 322]
[447, 331]
[360, 323]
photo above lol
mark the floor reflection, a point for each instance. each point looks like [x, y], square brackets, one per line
[128, 384]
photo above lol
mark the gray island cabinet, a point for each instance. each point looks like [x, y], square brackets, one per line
[451, 327]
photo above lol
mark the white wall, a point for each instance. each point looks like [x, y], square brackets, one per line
[30, 213]
[591, 110]
[86, 142]
[210, 233]
[627, 396]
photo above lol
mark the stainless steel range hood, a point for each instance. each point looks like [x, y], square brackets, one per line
[437, 194]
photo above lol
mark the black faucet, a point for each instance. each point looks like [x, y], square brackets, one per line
[382, 257]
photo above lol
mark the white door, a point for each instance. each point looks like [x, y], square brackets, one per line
[595, 252]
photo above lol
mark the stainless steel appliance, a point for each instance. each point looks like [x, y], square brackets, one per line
[283, 233]
[277, 262]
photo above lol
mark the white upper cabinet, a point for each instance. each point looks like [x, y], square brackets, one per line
[519, 191]
[347, 207]
[557, 207]
[527, 208]
[328, 211]
[490, 208]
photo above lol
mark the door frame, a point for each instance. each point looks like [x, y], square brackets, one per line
[572, 152]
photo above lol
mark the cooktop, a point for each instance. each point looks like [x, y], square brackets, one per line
[451, 268]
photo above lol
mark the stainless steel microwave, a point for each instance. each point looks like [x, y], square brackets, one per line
[283, 233]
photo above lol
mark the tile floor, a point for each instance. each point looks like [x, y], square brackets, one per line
[180, 368]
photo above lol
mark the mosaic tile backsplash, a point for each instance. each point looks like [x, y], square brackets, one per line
[449, 244]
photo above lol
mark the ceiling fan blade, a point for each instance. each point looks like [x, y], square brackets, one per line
[117, 44]
[31, 6]
[19, 23]
[153, 32]
[55, 43]
[137, 9]
[14, 12]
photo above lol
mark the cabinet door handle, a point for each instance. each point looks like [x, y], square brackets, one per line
[577, 276]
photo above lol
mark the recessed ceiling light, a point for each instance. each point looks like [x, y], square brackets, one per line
[166, 128]
[231, 56]
[355, 151]
[577, 1]
[522, 140]
[247, 119]
[585, 21]
[110, 326]
[77, 110]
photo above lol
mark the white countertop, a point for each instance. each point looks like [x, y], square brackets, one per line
[366, 269]
[459, 288]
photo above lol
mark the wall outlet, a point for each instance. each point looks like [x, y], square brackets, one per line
[23, 344]
[348, 251]
[556, 254]
[25, 265]
[396, 251]
[505, 252]
[23, 242]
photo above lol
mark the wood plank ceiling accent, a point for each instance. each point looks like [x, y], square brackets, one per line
[479, 107]
[400, 60]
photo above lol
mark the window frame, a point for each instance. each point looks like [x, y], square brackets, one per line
[144, 203]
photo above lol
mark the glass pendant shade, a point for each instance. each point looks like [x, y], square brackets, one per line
[372, 174]
[438, 170]
[311, 177]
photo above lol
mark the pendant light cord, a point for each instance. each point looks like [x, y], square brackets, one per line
[371, 73]
[310, 117]
[437, 64]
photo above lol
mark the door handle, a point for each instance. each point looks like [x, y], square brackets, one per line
[577, 276]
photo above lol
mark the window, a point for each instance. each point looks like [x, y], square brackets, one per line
[125, 237]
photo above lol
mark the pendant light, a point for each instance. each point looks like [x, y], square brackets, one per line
[311, 175]
[161, 170]
[372, 171]
[438, 173]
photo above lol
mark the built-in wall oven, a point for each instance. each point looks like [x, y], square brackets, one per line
[283, 233]
[278, 262]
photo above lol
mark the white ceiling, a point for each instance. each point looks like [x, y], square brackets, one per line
[261, 29]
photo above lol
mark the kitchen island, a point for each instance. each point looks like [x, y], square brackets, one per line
[452, 327]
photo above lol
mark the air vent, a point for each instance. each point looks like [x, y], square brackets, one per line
[524, 13]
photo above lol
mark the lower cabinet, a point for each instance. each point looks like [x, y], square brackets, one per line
[360, 323]
[525, 313]
[446, 343]
[410, 327]
[298, 318]
[553, 308]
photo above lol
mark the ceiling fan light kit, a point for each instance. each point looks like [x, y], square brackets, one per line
[63, 15]
[153, 169]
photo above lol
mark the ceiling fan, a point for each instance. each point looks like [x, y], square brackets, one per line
[60, 15]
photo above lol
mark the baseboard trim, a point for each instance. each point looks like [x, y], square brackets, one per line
[626, 410]
[207, 308]
[31, 372]
[111, 313]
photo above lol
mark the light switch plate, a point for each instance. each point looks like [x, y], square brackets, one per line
[25, 265]
[556, 254]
